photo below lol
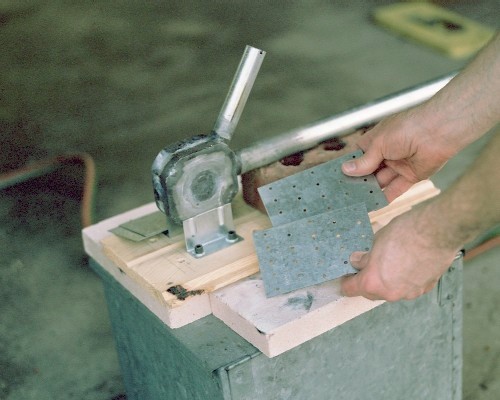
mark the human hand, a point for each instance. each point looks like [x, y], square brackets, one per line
[406, 260]
[401, 150]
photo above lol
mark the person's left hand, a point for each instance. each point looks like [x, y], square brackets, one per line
[406, 260]
[400, 150]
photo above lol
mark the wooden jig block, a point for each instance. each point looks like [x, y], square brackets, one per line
[434, 26]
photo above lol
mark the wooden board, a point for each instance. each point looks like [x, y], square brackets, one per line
[417, 194]
[436, 27]
[195, 309]
[161, 264]
[198, 306]
[149, 269]
[277, 324]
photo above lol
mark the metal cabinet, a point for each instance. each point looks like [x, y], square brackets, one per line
[405, 350]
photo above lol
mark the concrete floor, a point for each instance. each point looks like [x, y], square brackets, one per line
[120, 80]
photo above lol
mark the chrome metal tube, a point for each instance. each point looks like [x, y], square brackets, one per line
[238, 92]
[303, 138]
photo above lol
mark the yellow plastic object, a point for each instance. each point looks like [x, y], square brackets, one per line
[436, 27]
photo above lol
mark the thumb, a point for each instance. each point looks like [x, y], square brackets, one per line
[358, 259]
[364, 165]
[351, 285]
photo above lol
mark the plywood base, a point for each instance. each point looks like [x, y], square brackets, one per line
[277, 324]
[160, 272]
[162, 264]
[175, 286]
[198, 306]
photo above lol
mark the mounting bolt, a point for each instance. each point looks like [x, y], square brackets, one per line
[232, 236]
[198, 249]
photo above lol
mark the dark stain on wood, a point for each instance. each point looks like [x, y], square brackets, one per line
[334, 144]
[294, 159]
[301, 301]
[182, 293]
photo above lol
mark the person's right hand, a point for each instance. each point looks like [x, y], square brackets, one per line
[407, 258]
[401, 150]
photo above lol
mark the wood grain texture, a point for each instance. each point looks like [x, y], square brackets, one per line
[158, 303]
[417, 194]
[148, 269]
[160, 263]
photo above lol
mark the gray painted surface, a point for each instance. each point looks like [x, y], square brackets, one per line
[405, 350]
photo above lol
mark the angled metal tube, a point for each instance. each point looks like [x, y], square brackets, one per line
[308, 136]
[237, 96]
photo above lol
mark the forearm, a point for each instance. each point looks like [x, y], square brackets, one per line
[468, 106]
[409, 255]
[471, 205]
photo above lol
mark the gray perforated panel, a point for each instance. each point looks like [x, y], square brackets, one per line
[319, 189]
[311, 250]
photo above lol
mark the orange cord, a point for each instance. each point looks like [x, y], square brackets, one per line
[43, 167]
[481, 248]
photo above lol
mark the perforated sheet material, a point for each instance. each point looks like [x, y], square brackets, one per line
[312, 250]
[319, 189]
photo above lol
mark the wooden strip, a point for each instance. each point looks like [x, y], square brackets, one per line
[418, 193]
[151, 267]
[230, 273]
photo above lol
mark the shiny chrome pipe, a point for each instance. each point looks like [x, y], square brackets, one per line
[303, 138]
[237, 96]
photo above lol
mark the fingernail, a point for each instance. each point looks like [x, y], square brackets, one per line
[349, 166]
